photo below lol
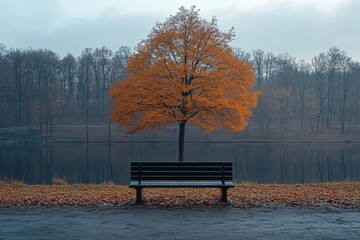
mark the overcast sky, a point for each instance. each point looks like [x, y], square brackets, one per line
[303, 28]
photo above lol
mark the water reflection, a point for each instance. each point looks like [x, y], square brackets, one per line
[260, 163]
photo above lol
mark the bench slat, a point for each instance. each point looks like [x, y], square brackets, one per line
[180, 168]
[193, 164]
[187, 173]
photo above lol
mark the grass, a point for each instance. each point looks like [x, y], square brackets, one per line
[12, 183]
[58, 181]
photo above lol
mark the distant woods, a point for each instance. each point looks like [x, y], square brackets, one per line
[39, 90]
[314, 95]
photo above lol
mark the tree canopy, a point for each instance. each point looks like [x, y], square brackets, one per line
[185, 71]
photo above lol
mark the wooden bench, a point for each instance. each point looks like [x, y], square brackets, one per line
[181, 175]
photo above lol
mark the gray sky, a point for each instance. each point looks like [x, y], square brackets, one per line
[303, 28]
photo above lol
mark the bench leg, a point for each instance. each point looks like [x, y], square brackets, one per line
[223, 198]
[138, 195]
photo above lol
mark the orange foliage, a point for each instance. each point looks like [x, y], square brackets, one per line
[185, 71]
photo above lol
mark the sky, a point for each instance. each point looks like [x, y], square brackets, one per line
[303, 28]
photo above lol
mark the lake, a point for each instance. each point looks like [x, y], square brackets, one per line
[253, 162]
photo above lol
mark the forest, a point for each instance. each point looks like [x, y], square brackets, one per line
[40, 90]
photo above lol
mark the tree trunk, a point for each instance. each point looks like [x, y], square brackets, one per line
[329, 96]
[87, 123]
[181, 141]
[343, 114]
[318, 119]
[302, 109]
[109, 131]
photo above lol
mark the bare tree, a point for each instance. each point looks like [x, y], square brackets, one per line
[285, 68]
[355, 92]
[302, 76]
[242, 55]
[4, 70]
[29, 96]
[68, 74]
[46, 65]
[118, 72]
[119, 62]
[258, 65]
[16, 57]
[85, 78]
[102, 71]
[319, 64]
[334, 56]
[269, 65]
[348, 70]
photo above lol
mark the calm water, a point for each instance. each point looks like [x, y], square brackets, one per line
[260, 163]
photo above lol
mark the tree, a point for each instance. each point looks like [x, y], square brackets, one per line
[185, 71]
[269, 62]
[17, 59]
[119, 62]
[347, 68]
[284, 68]
[242, 55]
[46, 67]
[319, 64]
[68, 70]
[334, 56]
[85, 74]
[4, 69]
[118, 72]
[258, 64]
[301, 77]
[102, 68]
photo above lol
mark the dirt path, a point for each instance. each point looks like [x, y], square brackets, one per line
[38, 222]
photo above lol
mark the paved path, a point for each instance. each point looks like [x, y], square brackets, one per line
[177, 223]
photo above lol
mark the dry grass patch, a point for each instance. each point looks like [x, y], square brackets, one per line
[58, 181]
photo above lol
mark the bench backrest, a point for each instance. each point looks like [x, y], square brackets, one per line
[181, 171]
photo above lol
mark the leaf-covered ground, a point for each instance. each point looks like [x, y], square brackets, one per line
[341, 195]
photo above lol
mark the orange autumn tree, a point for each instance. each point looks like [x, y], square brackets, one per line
[185, 72]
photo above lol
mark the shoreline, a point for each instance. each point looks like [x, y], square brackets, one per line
[101, 134]
[345, 195]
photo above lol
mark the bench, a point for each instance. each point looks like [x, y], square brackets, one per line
[181, 175]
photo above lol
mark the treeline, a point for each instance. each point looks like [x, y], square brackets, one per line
[318, 95]
[38, 89]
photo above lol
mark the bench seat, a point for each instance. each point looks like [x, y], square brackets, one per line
[181, 185]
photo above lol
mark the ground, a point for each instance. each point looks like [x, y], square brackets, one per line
[107, 211]
[339, 195]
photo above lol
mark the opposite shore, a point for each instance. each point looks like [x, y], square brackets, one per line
[115, 134]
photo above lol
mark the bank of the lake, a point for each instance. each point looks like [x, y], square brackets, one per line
[324, 195]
